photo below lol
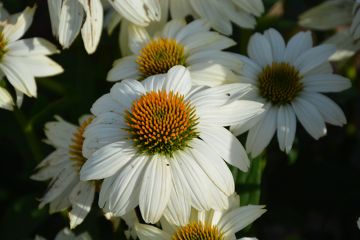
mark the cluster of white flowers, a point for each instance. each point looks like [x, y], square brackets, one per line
[160, 141]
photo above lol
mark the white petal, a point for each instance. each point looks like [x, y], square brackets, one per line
[277, 44]
[309, 117]
[59, 133]
[326, 83]
[192, 28]
[155, 189]
[206, 41]
[331, 112]
[212, 164]
[209, 10]
[18, 75]
[81, 199]
[92, 27]
[41, 66]
[238, 219]
[178, 80]
[15, 30]
[172, 28]
[6, 101]
[147, 232]
[123, 193]
[204, 193]
[314, 57]
[259, 49]
[138, 38]
[155, 83]
[71, 18]
[107, 161]
[123, 68]
[55, 11]
[286, 127]
[297, 45]
[233, 113]
[226, 145]
[31, 46]
[261, 134]
[179, 207]
[126, 92]
[106, 104]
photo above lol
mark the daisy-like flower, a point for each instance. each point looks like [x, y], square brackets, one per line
[68, 17]
[22, 60]
[336, 13]
[288, 79]
[216, 225]
[219, 13]
[62, 166]
[191, 45]
[161, 144]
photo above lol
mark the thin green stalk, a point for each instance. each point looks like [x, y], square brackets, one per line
[27, 128]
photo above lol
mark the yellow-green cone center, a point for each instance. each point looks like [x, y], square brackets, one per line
[279, 83]
[3, 44]
[161, 123]
[77, 143]
[197, 231]
[159, 55]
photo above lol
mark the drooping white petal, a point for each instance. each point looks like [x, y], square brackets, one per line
[107, 160]
[55, 11]
[155, 189]
[286, 127]
[92, 27]
[147, 232]
[106, 104]
[122, 195]
[309, 117]
[331, 112]
[179, 207]
[81, 199]
[180, 9]
[226, 145]
[204, 193]
[261, 134]
[71, 18]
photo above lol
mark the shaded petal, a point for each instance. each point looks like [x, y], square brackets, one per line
[123, 68]
[17, 27]
[6, 101]
[31, 46]
[147, 232]
[259, 49]
[286, 127]
[326, 83]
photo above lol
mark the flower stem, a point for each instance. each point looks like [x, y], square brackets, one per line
[30, 136]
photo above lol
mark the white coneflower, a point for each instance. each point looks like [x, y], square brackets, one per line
[62, 166]
[214, 225]
[191, 45]
[336, 13]
[22, 60]
[288, 79]
[68, 17]
[220, 14]
[161, 144]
